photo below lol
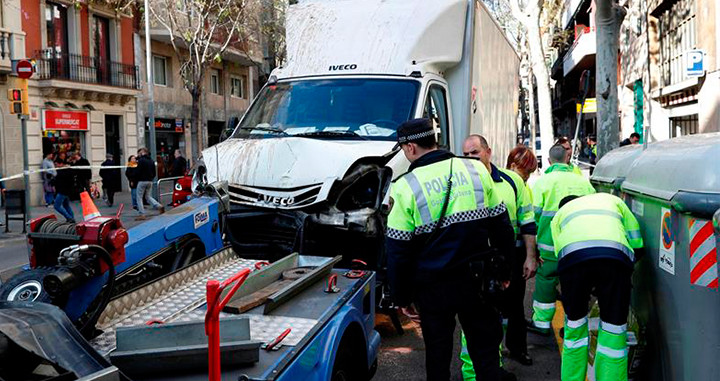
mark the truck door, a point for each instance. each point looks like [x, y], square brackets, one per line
[436, 109]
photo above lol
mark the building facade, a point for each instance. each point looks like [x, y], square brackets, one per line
[229, 87]
[82, 94]
[664, 44]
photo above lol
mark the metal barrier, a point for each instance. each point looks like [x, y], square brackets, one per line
[160, 195]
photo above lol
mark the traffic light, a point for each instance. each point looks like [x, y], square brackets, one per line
[19, 100]
[15, 96]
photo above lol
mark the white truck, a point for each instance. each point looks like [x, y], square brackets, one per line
[312, 159]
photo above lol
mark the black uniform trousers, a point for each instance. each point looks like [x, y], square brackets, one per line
[513, 308]
[438, 304]
[609, 279]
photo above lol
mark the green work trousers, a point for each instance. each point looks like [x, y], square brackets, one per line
[546, 282]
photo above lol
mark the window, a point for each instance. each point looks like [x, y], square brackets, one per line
[56, 23]
[215, 81]
[237, 87]
[160, 70]
[684, 125]
[677, 36]
[436, 110]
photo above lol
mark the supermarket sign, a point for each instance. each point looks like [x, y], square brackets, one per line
[65, 120]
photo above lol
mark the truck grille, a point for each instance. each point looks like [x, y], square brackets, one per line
[288, 198]
[257, 234]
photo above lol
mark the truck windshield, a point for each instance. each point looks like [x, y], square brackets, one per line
[367, 109]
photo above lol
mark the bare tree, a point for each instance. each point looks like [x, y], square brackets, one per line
[200, 32]
[529, 17]
[608, 18]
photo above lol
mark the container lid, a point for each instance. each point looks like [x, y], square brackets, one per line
[687, 164]
[615, 165]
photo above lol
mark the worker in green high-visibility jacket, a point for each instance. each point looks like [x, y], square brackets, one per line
[597, 240]
[558, 182]
[516, 196]
[444, 220]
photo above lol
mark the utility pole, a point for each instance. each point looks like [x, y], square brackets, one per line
[151, 96]
[20, 105]
[608, 17]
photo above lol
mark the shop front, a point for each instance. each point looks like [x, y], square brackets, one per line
[64, 132]
[169, 136]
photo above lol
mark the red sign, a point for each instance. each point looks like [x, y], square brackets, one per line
[24, 69]
[65, 120]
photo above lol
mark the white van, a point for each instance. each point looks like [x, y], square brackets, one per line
[311, 161]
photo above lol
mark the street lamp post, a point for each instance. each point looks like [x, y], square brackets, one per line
[151, 95]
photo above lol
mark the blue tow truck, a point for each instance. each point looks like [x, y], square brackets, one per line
[141, 313]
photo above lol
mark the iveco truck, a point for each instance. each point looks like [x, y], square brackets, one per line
[310, 163]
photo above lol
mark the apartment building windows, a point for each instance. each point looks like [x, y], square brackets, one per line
[101, 39]
[160, 70]
[237, 87]
[678, 34]
[684, 125]
[215, 81]
[56, 22]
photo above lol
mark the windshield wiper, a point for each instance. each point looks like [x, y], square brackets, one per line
[331, 134]
[265, 128]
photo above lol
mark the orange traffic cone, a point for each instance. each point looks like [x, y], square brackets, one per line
[89, 209]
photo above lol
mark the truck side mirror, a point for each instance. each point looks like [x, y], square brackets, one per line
[227, 132]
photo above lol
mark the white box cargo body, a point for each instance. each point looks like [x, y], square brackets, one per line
[314, 155]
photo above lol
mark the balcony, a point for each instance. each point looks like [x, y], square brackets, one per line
[93, 70]
[12, 47]
[582, 53]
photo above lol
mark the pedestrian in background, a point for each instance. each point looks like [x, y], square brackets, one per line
[597, 241]
[435, 245]
[178, 168]
[82, 175]
[559, 181]
[632, 140]
[48, 176]
[110, 179]
[516, 196]
[131, 174]
[64, 187]
[145, 176]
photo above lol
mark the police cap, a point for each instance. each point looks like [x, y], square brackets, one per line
[414, 130]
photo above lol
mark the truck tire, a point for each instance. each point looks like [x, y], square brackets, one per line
[349, 364]
[26, 286]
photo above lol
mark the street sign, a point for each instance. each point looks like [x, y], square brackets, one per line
[695, 63]
[24, 69]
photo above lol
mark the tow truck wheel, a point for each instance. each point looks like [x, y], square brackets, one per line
[347, 363]
[26, 286]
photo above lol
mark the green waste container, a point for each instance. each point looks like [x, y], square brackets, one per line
[673, 188]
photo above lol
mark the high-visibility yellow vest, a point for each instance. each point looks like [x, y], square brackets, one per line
[558, 182]
[595, 221]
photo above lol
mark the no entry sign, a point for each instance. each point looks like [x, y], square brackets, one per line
[24, 69]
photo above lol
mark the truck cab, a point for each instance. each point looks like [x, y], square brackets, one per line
[313, 157]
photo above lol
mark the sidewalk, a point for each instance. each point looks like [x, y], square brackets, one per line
[128, 215]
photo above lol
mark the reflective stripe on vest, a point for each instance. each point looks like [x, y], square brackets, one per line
[573, 247]
[420, 199]
[634, 234]
[548, 213]
[525, 209]
[545, 247]
[587, 212]
[477, 184]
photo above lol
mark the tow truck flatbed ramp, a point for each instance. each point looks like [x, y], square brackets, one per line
[180, 297]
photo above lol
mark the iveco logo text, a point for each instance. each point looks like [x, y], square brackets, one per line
[274, 200]
[343, 67]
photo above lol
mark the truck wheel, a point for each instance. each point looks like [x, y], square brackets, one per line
[346, 367]
[26, 286]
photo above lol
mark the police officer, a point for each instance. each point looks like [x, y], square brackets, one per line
[558, 182]
[597, 240]
[516, 196]
[434, 242]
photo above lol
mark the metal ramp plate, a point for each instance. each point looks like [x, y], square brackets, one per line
[181, 298]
